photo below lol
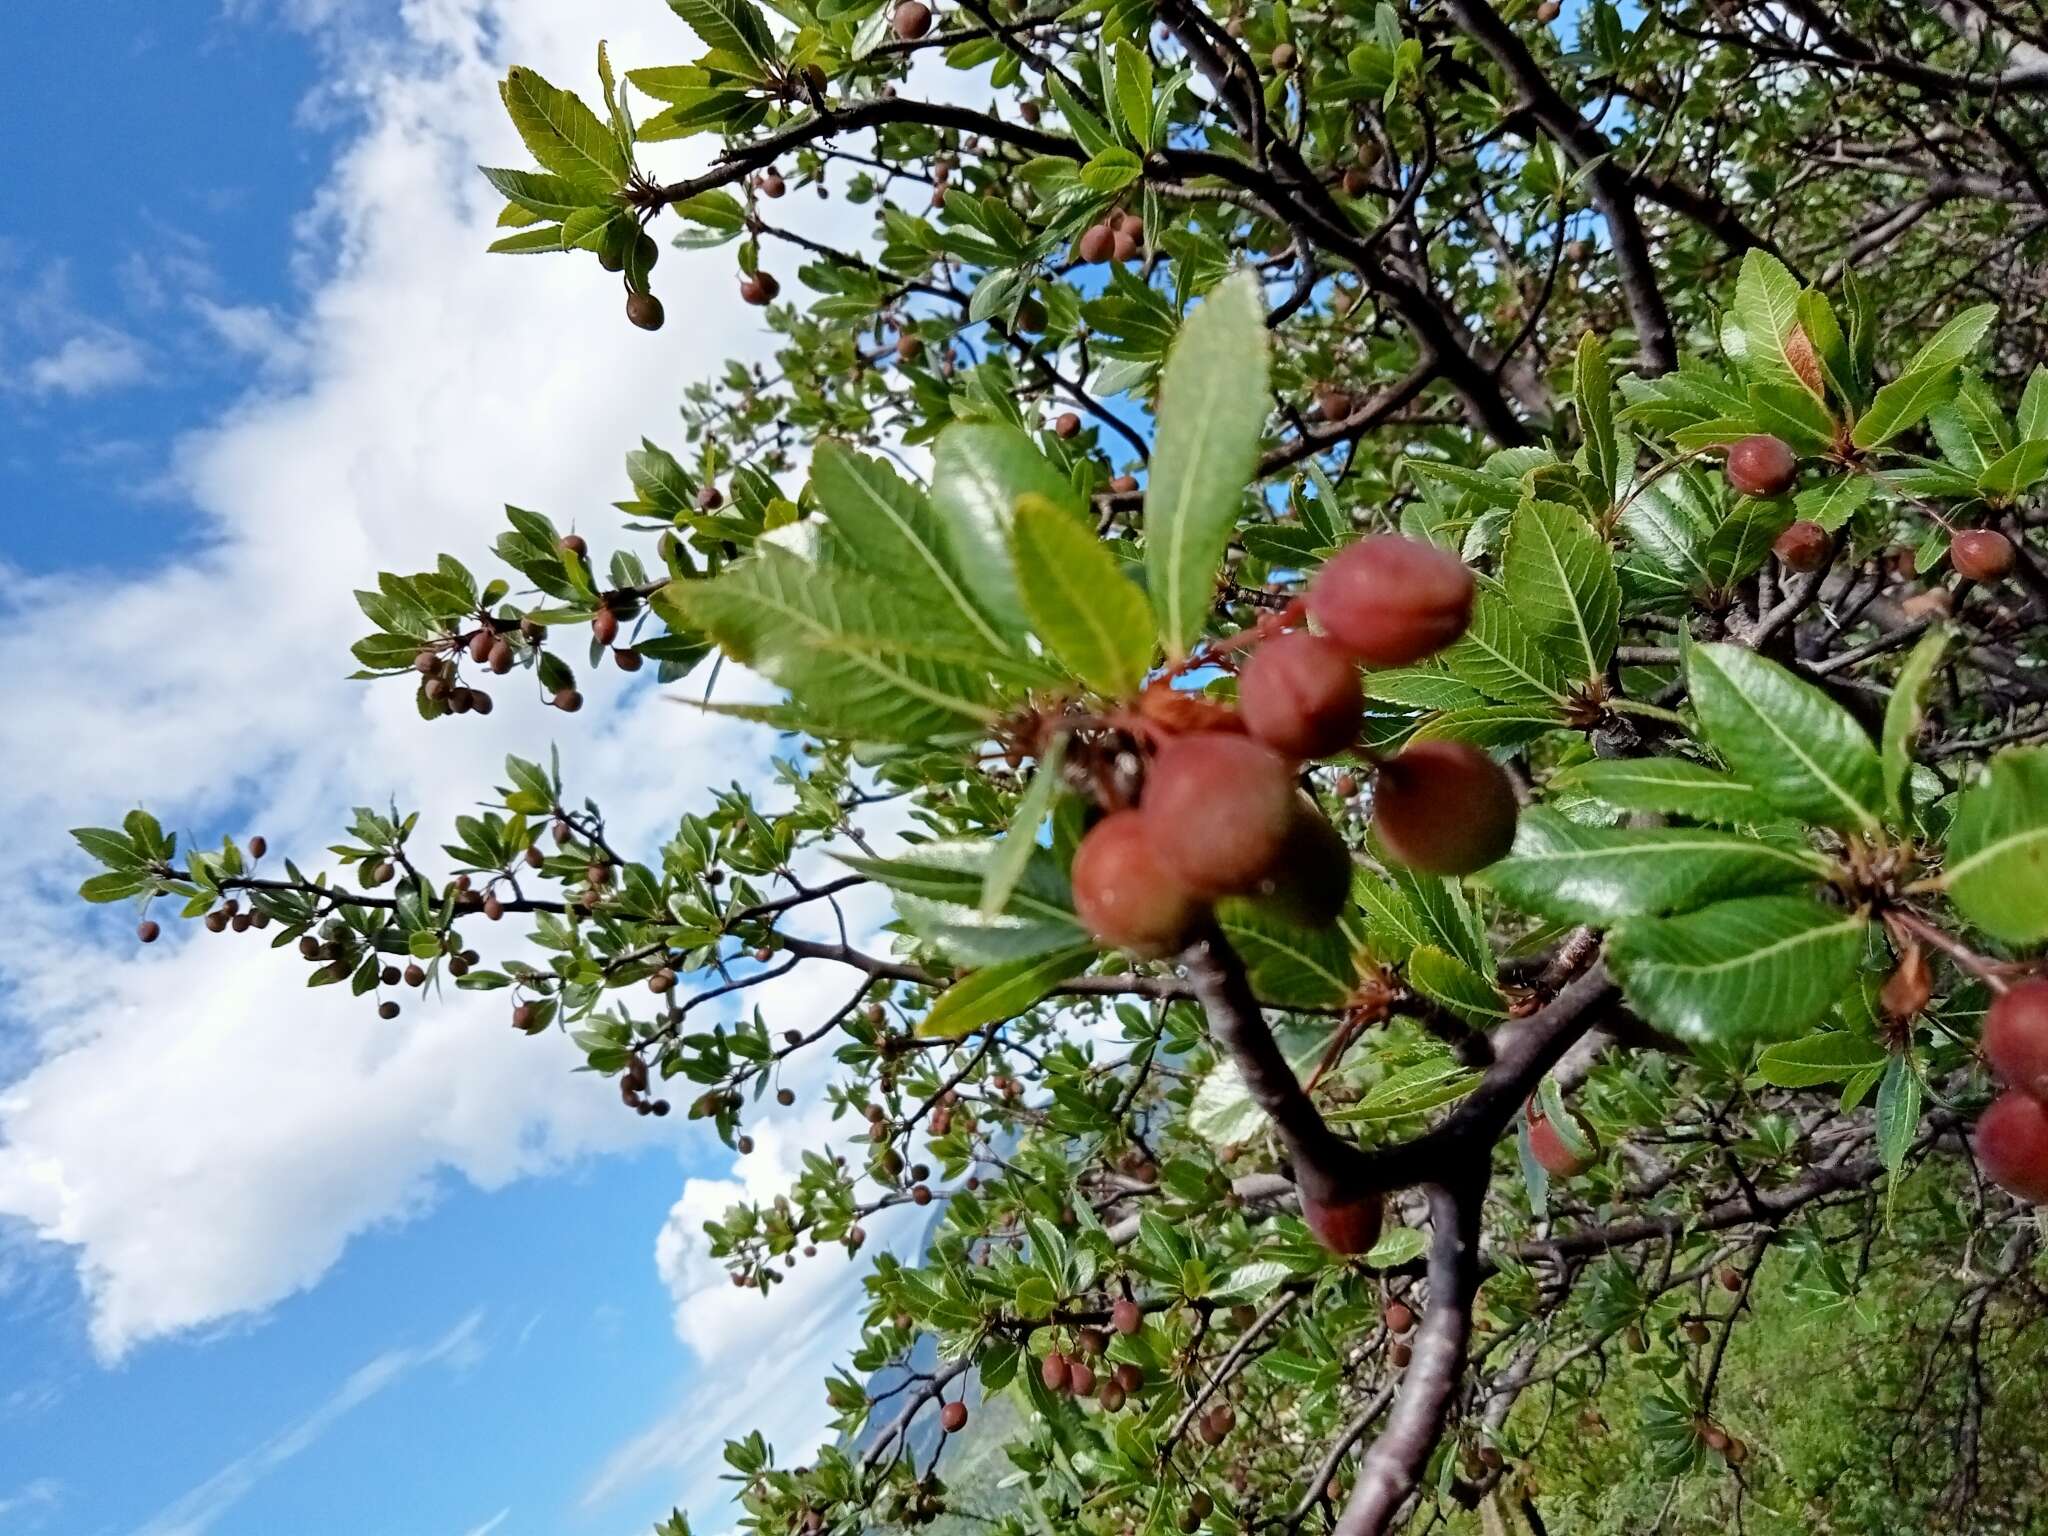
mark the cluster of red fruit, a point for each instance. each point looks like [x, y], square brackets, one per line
[1074, 1376]
[1763, 465]
[1117, 238]
[1221, 813]
[2012, 1134]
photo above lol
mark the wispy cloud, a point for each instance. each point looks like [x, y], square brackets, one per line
[489, 1525]
[88, 365]
[24, 1508]
[199, 1510]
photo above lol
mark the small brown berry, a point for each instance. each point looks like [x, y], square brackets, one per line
[568, 701]
[1802, 547]
[1981, 554]
[1762, 465]
[1067, 425]
[387, 1010]
[759, 288]
[953, 1417]
[1095, 244]
[147, 931]
[258, 847]
[645, 311]
[1283, 56]
[604, 626]
[912, 19]
[576, 544]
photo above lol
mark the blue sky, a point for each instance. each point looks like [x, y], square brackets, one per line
[266, 1263]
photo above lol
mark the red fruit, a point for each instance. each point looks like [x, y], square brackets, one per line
[1300, 695]
[1400, 1317]
[147, 931]
[1054, 1372]
[1123, 247]
[710, 498]
[626, 660]
[1080, 1379]
[1095, 243]
[1310, 882]
[912, 20]
[1981, 554]
[1390, 601]
[1130, 1377]
[1803, 546]
[1347, 1227]
[1123, 485]
[1126, 1316]
[1762, 466]
[2016, 1037]
[759, 288]
[644, 310]
[604, 626]
[1067, 425]
[1332, 403]
[575, 544]
[1124, 895]
[1218, 810]
[568, 700]
[954, 1417]
[1444, 807]
[2012, 1146]
[1551, 1153]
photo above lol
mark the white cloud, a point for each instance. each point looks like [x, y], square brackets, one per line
[199, 1510]
[200, 1131]
[491, 1524]
[25, 1508]
[88, 365]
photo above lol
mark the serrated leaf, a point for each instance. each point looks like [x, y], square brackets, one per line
[1997, 870]
[1498, 656]
[859, 659]
[998, 992]
[2033, 417]
[1089, 615]
[1767, 309]
[1899, 406]
[563, 134]
[886, 525]
[1574, 873]
[1762, 968]
[1803, 751]
[1212, 412]
[1898, 1112]
[1593, 394]
[733, 27]
[938, 895]
[1951, 346]
[1450, 983]
[1668, 786]
[1902, 716]
[1021, 837]
[979, 472]
[1559, 575]
[1289, 966]
[1830, 1057]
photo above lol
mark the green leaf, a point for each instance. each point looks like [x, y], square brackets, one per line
[1900, 405]
[860, 659]
[114, 885]
[540, 240]
[1952, 345]
[1289, 966]
[1014, 852]
[551, 197]
[1491, 725]
[1742, 543]
[731, 26]
[1451, 983]
[1413, 1090]
[1212, 410]
[1111, 170]
[1775, 348]
[1803, 751]
[1902, 715]
[1593, 393]
[1831, 1057]
[563, 134]
[2033, 417]
[2016, 470]
[1668, 786]
[1898, 1112]
[114, 849]
[938, 890]
[979, 472]
[998, 992]
[1573, 873]
[1134, 93]
[1762, 968]
[1997, 870]
[1089, 615]
[1498, 656]
[886, 525]
[1833, 502]
[1560, 577]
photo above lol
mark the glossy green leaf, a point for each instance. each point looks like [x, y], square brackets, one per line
[1902, 716]
[1574, 873]
[1593, 394]
[938, 890]
[1560, 578]
[1498, 656]
[1088, 614]
[1831, 1057]
[1901, 404]
[1803, 752]
[1212, 411]
[1997, 870]
[1775, 348]
[1290, 966]
[563, 134]
[1898, 1112]
[1451, 983]
[1761, 968]
[1951, 346]
[998, 992]
[1668, 786]
[979, 472]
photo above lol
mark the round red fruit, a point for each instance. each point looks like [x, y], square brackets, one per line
[1762, 465]
[1310, 883]
[1124, 895]
[1348, 1227]
[1391, 601]
[1444, 807]
[1803, 547]
[1299, 693]
[1218, 811]
[1547, 1146]
[1981, 554]
[2012, 1146]
[2016, 1037]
